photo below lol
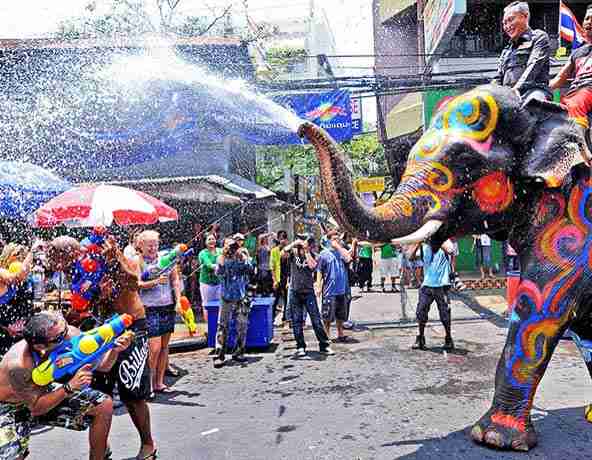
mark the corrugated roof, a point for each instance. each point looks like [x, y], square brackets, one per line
[146, 41]
[231, 182]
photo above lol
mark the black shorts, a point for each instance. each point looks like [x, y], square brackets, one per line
[131, 371]
[161, 320]
[334, 308]
[427, 295]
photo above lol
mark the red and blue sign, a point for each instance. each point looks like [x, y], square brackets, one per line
[331, 110]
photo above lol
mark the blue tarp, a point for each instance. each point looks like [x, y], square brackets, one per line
[25, 187]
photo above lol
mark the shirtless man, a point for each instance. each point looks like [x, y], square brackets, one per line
[71, 404]
[119, 289]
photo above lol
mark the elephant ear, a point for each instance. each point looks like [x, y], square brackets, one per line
[557, 145]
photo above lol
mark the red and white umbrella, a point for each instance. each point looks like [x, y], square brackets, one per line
[101, 205]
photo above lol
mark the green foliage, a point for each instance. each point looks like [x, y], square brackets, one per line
[365, 153]
[283, 57]
[132, 18]
[123, 18]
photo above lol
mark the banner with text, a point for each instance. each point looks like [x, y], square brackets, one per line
[331, 110]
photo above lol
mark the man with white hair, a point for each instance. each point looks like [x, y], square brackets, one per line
[524, 62]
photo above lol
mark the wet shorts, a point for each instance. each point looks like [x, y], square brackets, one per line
[16, 421]
[389, 268]
[161, 320]
[130, 371]
[335, 307]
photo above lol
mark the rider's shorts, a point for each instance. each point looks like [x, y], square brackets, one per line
[579, 105]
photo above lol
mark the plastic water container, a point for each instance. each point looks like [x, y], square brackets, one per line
[513, 280]
[259, 331]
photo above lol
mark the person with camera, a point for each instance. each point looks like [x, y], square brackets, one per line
[303, 264]
[332, 266]
[234, 268]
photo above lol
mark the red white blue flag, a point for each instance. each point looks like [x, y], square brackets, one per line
[569, 28]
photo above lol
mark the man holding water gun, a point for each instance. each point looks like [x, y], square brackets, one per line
[119, 294]
[71, 404]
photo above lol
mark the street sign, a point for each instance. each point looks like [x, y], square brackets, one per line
[369, 184]
[441, 19]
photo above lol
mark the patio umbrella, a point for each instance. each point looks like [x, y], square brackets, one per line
[24, 187]
[101, 205]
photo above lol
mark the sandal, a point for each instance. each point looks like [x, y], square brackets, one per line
[170, 372]
[151, 456]
[164, 389]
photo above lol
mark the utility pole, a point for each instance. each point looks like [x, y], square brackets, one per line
[421, 61]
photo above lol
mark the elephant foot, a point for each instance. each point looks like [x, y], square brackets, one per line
[503, 431]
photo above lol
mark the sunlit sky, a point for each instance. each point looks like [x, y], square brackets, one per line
[34, 18]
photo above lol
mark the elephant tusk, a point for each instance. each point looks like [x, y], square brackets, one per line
[426, 230]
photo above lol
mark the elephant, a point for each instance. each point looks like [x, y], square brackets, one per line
[489, 164]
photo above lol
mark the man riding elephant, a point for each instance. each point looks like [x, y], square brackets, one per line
[524, 62]
[487, 164]
[578, 99]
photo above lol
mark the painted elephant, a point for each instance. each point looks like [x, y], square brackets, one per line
[489, 165]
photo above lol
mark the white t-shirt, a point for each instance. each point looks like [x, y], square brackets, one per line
[485, 240]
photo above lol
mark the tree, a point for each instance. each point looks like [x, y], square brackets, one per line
[134, 18]
[365, 154]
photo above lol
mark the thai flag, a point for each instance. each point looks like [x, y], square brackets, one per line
[569, 28]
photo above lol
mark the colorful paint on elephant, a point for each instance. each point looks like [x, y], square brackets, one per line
[472, 119]
[547, 294]
[493, 192]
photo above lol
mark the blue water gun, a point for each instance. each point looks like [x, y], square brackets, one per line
[81, 350]
[166, 262]
[88, 273]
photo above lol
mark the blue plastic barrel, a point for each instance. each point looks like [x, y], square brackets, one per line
[260, 330]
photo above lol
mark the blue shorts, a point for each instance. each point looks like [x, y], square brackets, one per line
[483, 256]
[161, 320]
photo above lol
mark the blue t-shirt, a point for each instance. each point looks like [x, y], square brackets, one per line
[334, 272]
[436, 267]
[234, 275]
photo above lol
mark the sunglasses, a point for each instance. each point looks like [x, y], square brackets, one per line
[59, 338]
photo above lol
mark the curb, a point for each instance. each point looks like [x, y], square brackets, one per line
[185, 345]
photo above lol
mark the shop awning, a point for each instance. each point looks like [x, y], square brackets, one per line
[226, 189]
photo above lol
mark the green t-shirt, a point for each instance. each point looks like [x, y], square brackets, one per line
[207, 261]
[366, 252]
[387, 251]
[251, 245]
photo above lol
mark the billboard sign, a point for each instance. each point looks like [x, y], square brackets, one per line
[369, 184]
[441, 19]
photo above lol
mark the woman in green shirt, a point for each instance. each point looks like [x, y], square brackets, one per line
[209, 283]
[365, 265]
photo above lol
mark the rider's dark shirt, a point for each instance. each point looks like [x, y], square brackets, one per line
[580, 62]
[524, 63]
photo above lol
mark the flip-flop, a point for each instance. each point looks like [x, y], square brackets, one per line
[164, 390]
[170, 372]
[151, 456]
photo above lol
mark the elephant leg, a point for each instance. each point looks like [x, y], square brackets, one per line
[536, 325]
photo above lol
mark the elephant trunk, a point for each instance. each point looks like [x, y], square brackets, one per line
[395, 220]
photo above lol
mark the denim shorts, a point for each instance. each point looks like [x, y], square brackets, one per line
[161, 320]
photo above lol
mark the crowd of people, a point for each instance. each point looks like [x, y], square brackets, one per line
[304, 277]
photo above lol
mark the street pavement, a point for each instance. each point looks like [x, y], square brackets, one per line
[375, 399]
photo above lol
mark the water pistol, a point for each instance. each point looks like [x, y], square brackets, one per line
[88, 273]
[81, 350]
[95, 241]
[187, 315]
[166, 262]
